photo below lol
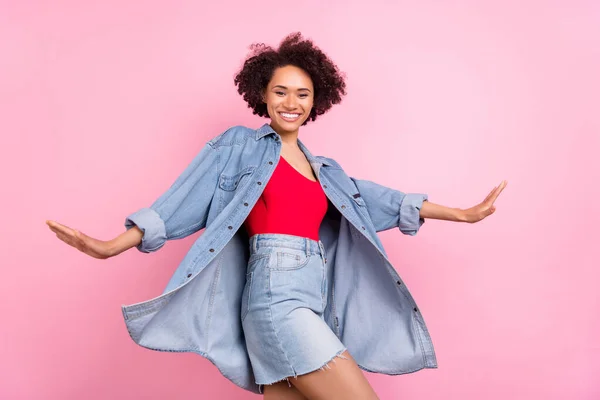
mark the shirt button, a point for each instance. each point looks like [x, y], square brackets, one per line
[230, 227]
[363, 227]
[399, 283]
[189, 275]
[212, 250]
[270, 162]
[246, 204]
[415, 309]
[325, 186]
[343, 206]
[260, 183]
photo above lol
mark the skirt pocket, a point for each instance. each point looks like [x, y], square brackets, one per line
[290, 259]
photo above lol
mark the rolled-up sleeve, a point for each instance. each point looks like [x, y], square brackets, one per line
[183, 208]
[153, 227]
[410, 206]
[390, 208]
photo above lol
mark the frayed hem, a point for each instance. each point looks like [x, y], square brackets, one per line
[339, 354]
[295, 376]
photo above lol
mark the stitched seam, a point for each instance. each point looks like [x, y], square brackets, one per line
[220, 194]
[418, 334]
[255, 257]
[203, 354]
[185, 231]
[298, 266]
[323, 284]
[225, 180]
[213, 292]
[246, 309]
[335, 318]
[273, 325]
[408, 371]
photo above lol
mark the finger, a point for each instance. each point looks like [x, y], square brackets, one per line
[489, 195]
[55, 229]
[55, 226]
[79, 245]
[66, 234]
[494, 194]
[503, 185]
[67, 239]
[497, 192]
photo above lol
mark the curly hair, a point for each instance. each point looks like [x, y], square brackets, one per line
[262, 61]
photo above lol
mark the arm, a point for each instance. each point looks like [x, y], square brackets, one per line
[133, 237]
[390, 208]
[96, 248]
[128, 239]
[437, 211]
[473, 214]
[180, 211]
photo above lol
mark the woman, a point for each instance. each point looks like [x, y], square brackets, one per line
[290, 279]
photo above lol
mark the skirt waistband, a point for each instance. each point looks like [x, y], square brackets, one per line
[308, 245]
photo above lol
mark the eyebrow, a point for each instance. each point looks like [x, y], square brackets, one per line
[283, 87]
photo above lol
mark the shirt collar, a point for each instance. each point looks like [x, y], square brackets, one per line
[266, 129]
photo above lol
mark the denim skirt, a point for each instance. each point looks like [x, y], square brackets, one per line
[282, 308]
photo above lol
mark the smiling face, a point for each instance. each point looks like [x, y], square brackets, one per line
[289, 97]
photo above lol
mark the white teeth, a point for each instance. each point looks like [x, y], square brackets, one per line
[290, 116]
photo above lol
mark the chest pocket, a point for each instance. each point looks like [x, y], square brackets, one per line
[230, 183]
[359, 200]
[361, 206]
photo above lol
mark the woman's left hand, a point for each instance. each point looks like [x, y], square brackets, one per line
[485, 208]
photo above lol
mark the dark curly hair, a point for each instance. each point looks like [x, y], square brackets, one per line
[260, 65]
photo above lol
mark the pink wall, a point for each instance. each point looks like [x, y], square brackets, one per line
[102, 104]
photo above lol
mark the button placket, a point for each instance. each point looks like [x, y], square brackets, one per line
[343, 207]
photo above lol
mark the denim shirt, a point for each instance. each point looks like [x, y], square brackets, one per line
[369, 306]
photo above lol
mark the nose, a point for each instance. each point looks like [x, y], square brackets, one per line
[290, 102]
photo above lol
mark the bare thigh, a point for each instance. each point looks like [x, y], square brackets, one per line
[342, 379]
[281, 391]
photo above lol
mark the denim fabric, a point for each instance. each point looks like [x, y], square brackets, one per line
[369, 307]
[283, 305]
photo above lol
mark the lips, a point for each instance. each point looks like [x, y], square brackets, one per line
[289, 117]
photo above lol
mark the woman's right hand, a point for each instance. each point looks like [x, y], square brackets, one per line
[86, 244]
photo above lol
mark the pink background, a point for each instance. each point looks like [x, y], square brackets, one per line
[102, 105]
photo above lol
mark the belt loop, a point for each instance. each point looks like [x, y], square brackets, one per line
[254, 244]
[306, 247]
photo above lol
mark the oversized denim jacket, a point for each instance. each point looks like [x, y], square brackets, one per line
[370, 308]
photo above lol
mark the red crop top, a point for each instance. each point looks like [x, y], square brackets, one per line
[290, 204]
